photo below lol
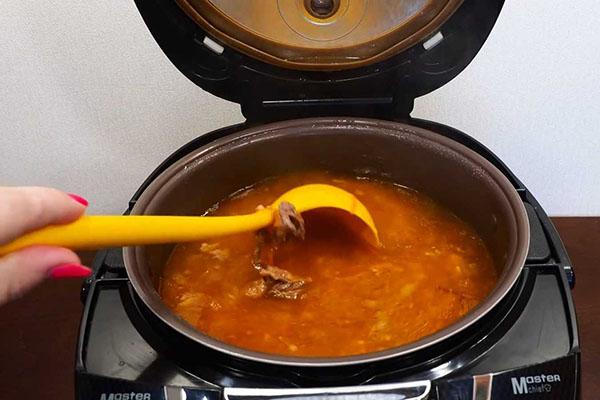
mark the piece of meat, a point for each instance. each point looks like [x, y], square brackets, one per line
[278, 274]
[277, 282]
[283, 284]
[288, 290]
[289, 223]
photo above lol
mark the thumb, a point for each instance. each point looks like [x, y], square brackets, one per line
[22, 270]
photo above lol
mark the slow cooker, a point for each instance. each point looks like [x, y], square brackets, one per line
[330, 84]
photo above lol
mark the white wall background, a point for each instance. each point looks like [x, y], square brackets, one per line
[89, 103]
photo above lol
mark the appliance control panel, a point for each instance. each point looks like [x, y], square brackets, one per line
[552, 380]
[101, 388]
[396, 391]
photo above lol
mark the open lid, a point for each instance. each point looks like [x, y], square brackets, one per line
[281, 57]
[320, 34]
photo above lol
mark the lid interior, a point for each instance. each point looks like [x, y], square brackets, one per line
[320, 34]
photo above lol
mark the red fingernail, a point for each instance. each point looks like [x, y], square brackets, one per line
[79, 199]
[70, 271]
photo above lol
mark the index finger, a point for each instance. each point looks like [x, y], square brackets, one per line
[25, 209]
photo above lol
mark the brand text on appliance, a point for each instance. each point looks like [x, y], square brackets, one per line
[534, 383]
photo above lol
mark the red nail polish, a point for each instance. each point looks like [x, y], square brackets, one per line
[79, 199]
[70, 271]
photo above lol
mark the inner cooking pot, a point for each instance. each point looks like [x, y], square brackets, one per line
[445, 170]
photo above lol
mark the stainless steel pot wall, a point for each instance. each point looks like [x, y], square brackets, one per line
[447, 171]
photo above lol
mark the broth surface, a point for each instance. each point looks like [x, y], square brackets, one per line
[431, 270]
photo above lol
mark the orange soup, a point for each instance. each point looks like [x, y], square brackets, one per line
[431, 270]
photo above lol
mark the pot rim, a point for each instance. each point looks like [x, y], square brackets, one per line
[154, 303]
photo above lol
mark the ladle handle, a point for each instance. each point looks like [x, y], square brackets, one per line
[94, 232]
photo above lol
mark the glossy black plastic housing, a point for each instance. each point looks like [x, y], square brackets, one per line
[266, 92]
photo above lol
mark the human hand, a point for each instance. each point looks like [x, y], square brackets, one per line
[24, 209]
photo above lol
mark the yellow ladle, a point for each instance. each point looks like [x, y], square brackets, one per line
[94, 232]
